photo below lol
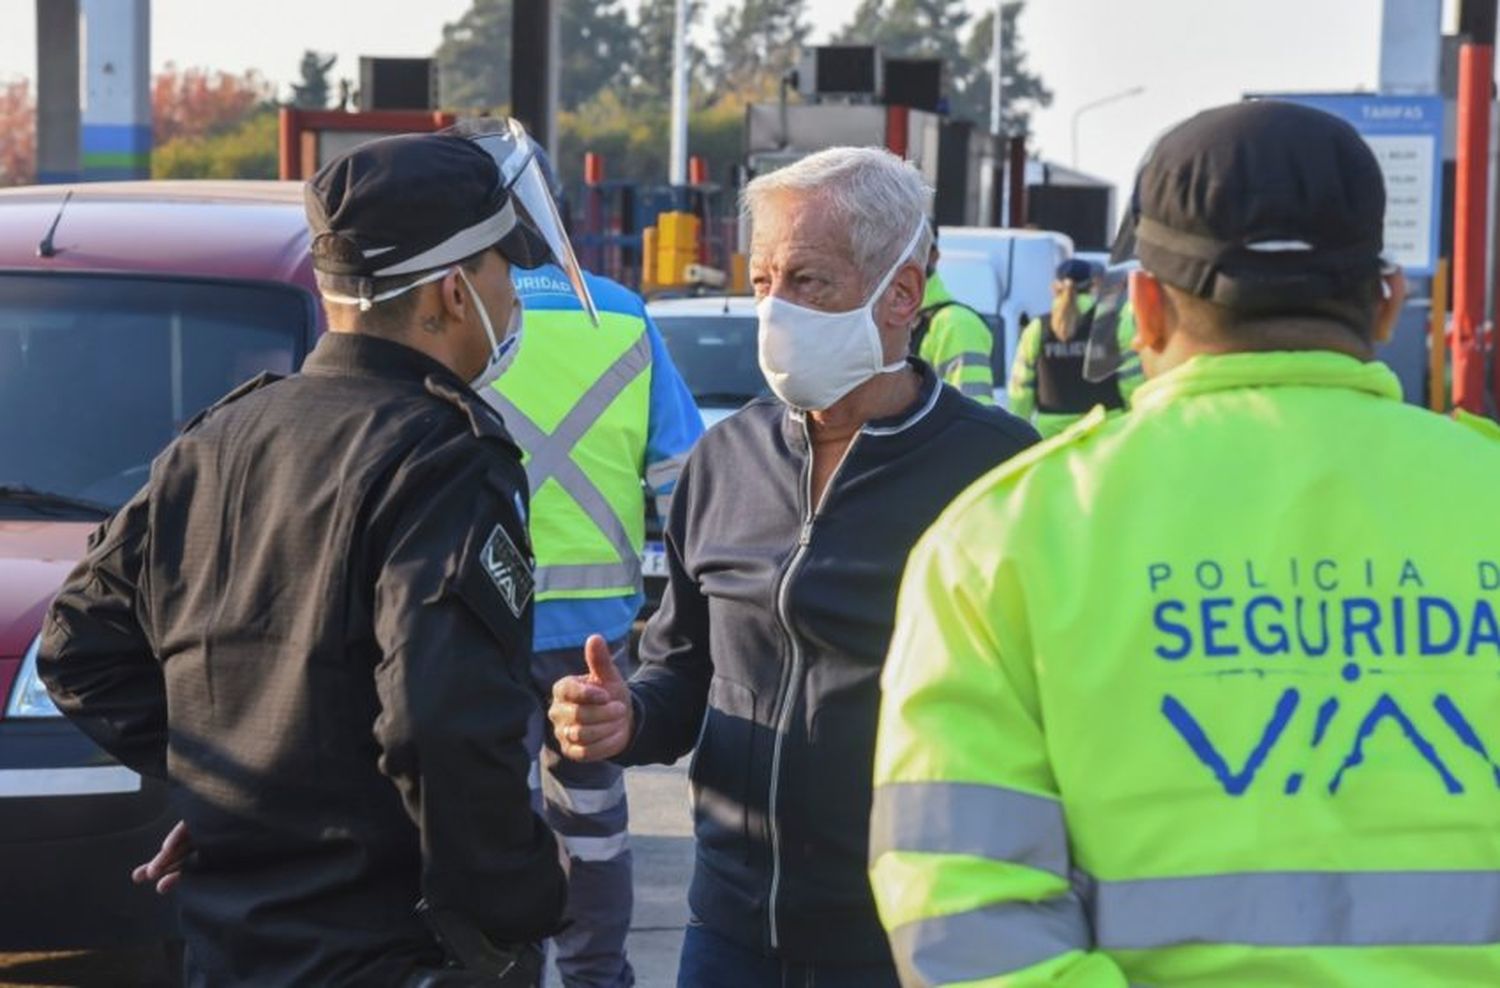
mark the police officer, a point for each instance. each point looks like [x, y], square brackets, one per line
[1048, 383]
[315, 618]
[1205, 694]
[953, 338]
[599, 409]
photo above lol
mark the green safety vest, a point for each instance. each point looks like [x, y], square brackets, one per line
[1204, 695]
[577, 400]
[957, 342]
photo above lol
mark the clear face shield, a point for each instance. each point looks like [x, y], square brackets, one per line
[506, 141]
[1113, 326]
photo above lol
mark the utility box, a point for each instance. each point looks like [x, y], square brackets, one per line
[677, 238]
[397, 84]
[1080, 211]
[840, 70]
[914, 82]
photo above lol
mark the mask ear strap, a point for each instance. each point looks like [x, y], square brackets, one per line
[911, 245]
[367, 302]
[484, 315]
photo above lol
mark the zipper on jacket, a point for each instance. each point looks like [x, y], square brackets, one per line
[794, 678]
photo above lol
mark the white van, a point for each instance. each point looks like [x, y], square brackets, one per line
[1021, 263]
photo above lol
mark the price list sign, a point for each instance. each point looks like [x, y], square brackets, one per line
[1406, 134]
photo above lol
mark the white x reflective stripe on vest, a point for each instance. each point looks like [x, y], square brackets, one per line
[577, 401]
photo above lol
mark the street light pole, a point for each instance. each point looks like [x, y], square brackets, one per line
[992, 185]
[1104, 101]
[679, 154]
[997, 70]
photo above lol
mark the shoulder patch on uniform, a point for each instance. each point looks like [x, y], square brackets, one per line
[1481, 424]
[507, 570]
[261, 380]
[483, 420]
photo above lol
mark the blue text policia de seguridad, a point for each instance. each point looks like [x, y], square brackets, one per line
[1256, 618]
[1361, 609]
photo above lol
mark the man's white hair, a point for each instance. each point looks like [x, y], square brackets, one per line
[876, 197]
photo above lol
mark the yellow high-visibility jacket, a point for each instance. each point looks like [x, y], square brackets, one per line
[958, 344]
[1205, 696]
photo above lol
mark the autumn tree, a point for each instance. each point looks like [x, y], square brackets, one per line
[194, 102]
[17, 133]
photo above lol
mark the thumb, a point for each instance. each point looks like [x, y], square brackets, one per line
[601, 662]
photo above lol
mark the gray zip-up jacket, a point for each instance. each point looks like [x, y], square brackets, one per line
[767, 650]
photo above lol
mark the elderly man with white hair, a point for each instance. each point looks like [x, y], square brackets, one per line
[786, 539]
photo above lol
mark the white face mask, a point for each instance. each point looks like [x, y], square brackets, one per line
[503, 351]
[812, 358]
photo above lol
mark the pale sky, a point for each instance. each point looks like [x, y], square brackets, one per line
[1188, 54]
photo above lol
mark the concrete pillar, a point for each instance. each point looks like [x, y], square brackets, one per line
[117, 89]
[57, 111]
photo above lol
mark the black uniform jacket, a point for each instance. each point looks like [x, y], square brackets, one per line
[767, 650]
[315, 621]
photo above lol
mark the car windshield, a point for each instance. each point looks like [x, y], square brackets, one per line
[716, 355]
[98, 373]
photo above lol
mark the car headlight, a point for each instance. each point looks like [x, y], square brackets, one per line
[28, 697]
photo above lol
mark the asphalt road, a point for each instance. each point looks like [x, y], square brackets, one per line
[661, 830]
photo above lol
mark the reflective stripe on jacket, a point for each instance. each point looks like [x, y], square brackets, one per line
[598, 410]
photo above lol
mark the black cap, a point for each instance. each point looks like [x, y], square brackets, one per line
[1075, 269]
[413, 203]
[1258, 205]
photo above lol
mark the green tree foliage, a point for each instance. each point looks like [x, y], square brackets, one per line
[1021, 89]
[596, 45]
[936, 29]
[247, 151]
[651, 81]
[758, 41]
[909, 28]
[474, 58]
[633, 140]
[312, 92]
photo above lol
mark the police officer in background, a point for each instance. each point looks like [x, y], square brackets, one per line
[315, 619]
[952, 337]
[1047, 381]
[1205, 694]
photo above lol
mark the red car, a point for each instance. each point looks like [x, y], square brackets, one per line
[122, 314]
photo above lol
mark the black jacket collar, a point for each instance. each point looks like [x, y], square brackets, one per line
[363, 355]
[908, 422]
